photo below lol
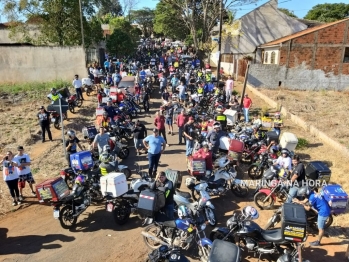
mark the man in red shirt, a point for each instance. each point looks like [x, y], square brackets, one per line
[207, 155]
[247, 103]
[159, 122]
[181, 121]
[120, 96]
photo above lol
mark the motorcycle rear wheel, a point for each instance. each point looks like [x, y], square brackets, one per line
[66, 218]
[71, 108]
[88, 92]
[121, 215]
[124, 153]
[259, 198]
[79, 102]
[154, 231]
[56, 125]
[254, 172]
[97, 196]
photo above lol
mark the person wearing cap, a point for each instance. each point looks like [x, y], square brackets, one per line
[247, 103]
[77, 84]
[53, 96]
[139, 133]
[24, 171]
[44, 122]
[155, 144]
[214, 136]
[189, 133]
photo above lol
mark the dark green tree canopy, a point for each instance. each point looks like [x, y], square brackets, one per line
[328, 12]
[287, 12]
[145, 18]
[119, 43]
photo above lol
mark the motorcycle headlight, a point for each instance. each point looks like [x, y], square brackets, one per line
[231, 222]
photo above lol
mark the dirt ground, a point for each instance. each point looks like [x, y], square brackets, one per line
[30, 232]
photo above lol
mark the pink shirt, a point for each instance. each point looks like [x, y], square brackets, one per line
[229, 84]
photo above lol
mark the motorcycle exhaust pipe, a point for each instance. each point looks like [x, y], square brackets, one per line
[154, 238]
[266, 251]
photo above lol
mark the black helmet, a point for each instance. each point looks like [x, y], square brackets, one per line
[285, 151]
[303, 191]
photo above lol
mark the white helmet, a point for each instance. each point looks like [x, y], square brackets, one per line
[106, 148]
[119, 91]
[189, 181]
[223, 161]
[250, 212]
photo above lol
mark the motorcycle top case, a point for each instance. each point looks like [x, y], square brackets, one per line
[89, 132]
[272, 136]
[52, 189]
[114, 184]
[224, 251]
[236, 146]
[289, 141]
[294, 222]
[318, 170]
[336, 198]
[232, 116]
[174, 176]
[150, 202]
[196, 166]
[86, 81]
[81, 160]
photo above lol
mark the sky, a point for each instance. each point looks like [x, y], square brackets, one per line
[299, 7]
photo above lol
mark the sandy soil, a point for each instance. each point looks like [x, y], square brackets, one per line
[32, 234]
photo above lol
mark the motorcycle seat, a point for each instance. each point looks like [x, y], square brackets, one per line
[273, 235]
[183, 194]
[170, 223]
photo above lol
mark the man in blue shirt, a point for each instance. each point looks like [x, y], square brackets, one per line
[106, 65]
[316, 201]
[110, 110]
[155, 145]
[142, 75]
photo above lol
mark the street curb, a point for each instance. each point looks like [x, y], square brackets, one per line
[301, 123]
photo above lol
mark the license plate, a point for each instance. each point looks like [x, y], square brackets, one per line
[110, 207]
[56, 214]
[53, 120]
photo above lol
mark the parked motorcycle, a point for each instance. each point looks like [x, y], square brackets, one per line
[56, 118]
[240, 228]
[73, 102]
[256, 170]
[220, 182]
[312, 216]
[201, 205]
[165, 253]
[68, 209]
[181, 233]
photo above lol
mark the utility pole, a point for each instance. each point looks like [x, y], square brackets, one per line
[220, 40]
[82, 26]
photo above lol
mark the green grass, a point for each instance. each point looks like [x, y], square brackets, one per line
[32, 87]
[302, 143]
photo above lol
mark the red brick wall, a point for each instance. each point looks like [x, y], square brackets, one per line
[332, 35]
[328, 59]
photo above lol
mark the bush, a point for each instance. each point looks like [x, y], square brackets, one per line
[302, 143]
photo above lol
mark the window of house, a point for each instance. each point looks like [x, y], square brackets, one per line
[266, 58]
[346, 55]
[227, 58]
[272, 58]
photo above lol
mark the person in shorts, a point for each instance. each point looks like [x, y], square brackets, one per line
[24, 172]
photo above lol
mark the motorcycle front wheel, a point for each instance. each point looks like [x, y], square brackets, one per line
[88, 91]
[79, 102]
[124, 152]
[121, 215]
[66, 218]
[71, 108]
[211, 216]
[204, 253]
[154, 231]
[56, 125]
[259, 200]
[239, 190]
[255, 172]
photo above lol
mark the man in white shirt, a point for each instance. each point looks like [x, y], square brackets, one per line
[284, 161]
[95, 75]
[181, 89]
[24, 171]
[229, 86]
[78, 84]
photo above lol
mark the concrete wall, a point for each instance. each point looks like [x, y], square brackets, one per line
[41, 63]
[262, 25]
[297, 78]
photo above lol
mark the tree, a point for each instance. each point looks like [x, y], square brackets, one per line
[144, 17]
[202, 14]
[58, 21]
[328, 12]
[128, 6]
[287, 12]
[112, 7]
[119, 43]
[167, 21]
